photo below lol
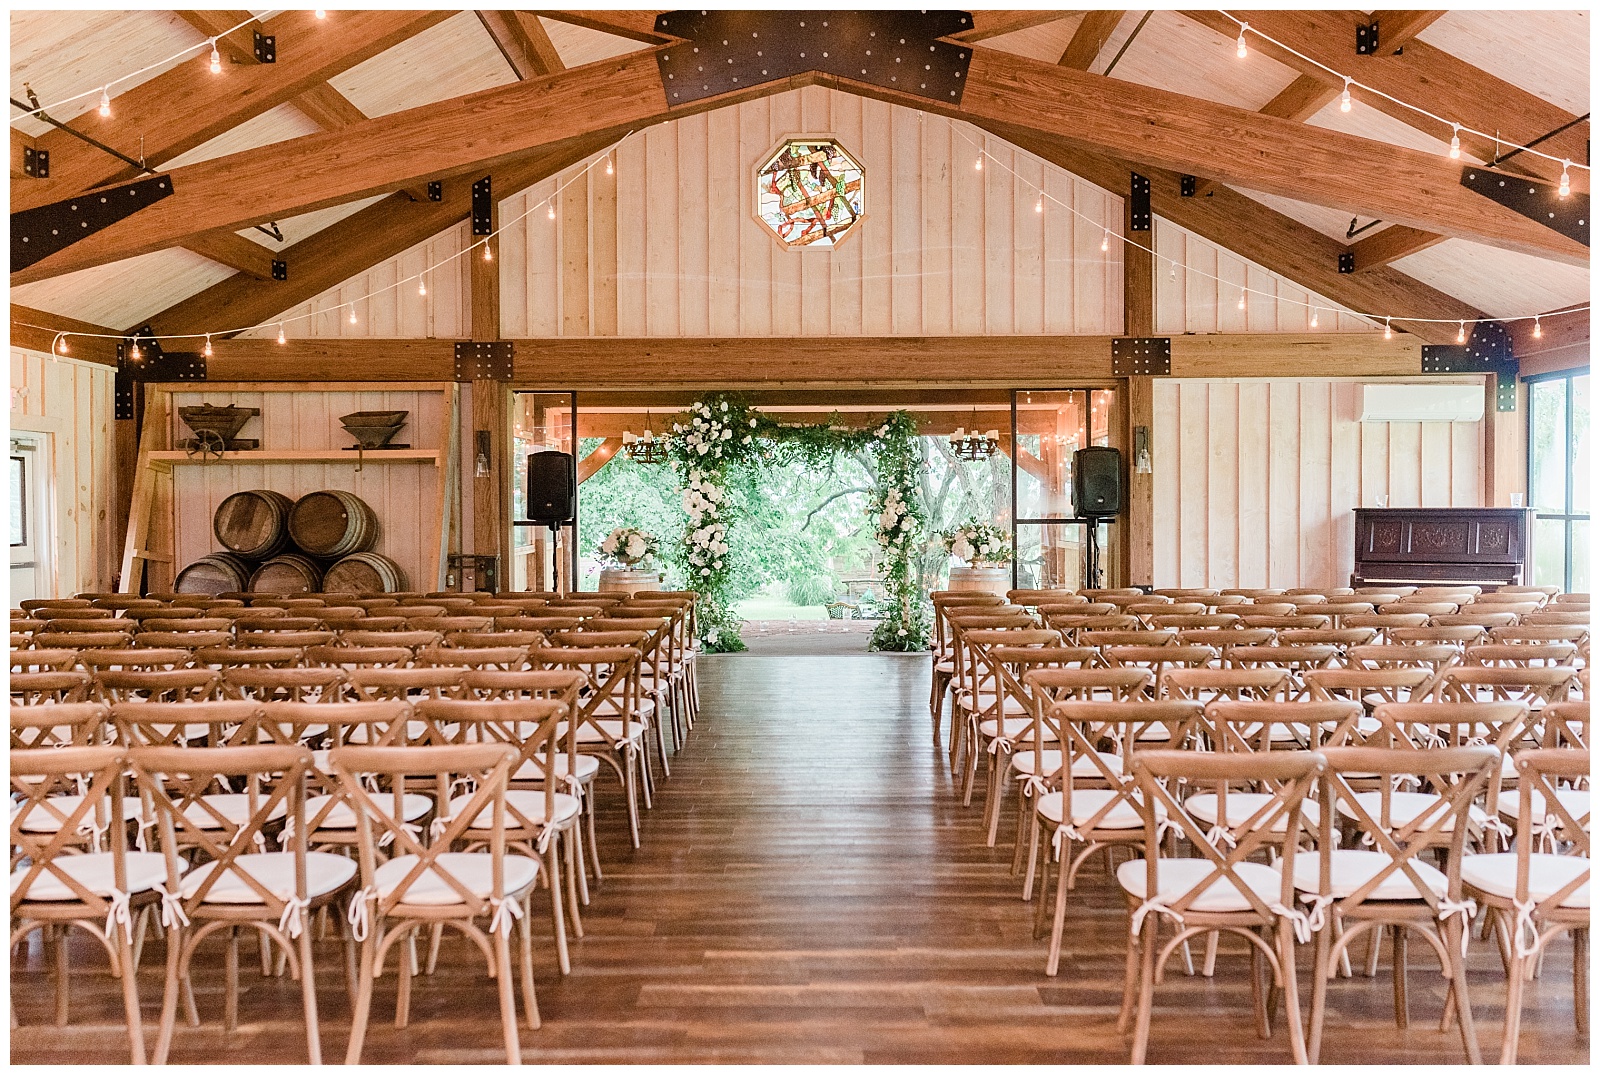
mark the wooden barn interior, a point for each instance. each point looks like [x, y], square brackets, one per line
[323, 321]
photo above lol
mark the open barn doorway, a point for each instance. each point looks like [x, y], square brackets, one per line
[807, 561]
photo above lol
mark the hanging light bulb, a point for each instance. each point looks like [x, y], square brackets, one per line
[134, 353]
[105, 102]
[1313, 317]
[609, 169]
[321, 14]
[1388, 332]
[216, 58]
[1566, 182]
[1344, 98]
[1241, 51]
[1461, 333]
[1455, 141]
[422, 285]
[1105, 241]
[488, 255]
[352, 314]
[281, 337]
[206, 350]
[1241, 298]
[61, 343]
[977, 164]
[552, 212]
[1537, 331]
[1038, 206]
[1172, 270]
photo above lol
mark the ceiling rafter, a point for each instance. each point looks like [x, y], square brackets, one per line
[1158, 127]
[522, 40]
[1089, 38]
[188, 106]
[36, 330]
[987, 24]
[355, 244]
[633, 25]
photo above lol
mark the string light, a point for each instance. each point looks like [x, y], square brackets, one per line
[1313, 317]
[1461, 333]
[1105, 241]
[134, 352]
[1344, 98]
[1038, 206]
[206, 350]
[281, 337]
[422, 286]
[216, 58]
[1538, 333]
[1455, 141]
[321, 14]
[977, 163]
[488, 255]
[1566, 182]
[1241, 298]
[352, 313]
[60, 347]
[105, 102]
[552, 213]
[1388, 332]
[1242, 51]
[609, 169]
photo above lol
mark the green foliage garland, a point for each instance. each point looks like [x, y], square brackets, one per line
[717, 447]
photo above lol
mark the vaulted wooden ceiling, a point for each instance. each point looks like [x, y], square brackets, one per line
[335, 142]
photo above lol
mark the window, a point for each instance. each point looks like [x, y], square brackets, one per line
[1558, 479]
[809, 193]
[19, 501]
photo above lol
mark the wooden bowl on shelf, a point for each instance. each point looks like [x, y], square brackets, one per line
[374, 429]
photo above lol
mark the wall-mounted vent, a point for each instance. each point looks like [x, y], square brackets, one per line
[1421, 403]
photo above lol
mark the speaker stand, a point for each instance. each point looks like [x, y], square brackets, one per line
[1091, 557]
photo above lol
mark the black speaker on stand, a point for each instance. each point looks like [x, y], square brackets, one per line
[551, 494]
[1096, 495]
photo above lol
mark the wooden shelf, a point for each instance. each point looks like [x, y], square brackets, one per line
[399, 455]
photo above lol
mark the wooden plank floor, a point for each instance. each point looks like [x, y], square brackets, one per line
[808, 891]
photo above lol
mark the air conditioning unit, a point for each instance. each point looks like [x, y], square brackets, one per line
[1421, 403]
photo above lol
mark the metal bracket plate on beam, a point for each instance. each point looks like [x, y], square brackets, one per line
[436, 191]
[154, 366]
[1138, 202]
[724, 51]
[1141, 356]
[35, 163]
[266, 47]
[1505, 391]
[1347, 262]
[1487, 350]
[483, 361]
[38, 233]
[280, 269]
[1187, 185]
[483, 206]
[1533, 199]
[1367, 38]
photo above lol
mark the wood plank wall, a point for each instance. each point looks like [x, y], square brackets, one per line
[402, 495]
[72, 402]
[1255, 480]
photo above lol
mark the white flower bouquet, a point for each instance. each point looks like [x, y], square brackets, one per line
[979, 544]
[626, 546]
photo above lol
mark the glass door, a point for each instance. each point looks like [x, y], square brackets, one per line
[1558, 479]
[541, 422]
[1053, 542]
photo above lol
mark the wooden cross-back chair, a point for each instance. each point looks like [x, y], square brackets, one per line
[239, 884]
[423, 885]
[542, 820]
[358, 657]
[224, 657]
[652, 672]
[988, 704]
[1522, 654]
[609, 728]
[1370, 686]
[50, 688]
[676, 644]
[1536, 686]
[284, 684]
[1222, 890]
[1158, 659]
[70, 724]
[1385, 878]
[57, 794]
[136, 659]
[1090, 803]
[1533, 896]
[948, 670]
[44, 660]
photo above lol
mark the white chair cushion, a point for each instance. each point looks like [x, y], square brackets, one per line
[1015, 728]
[41, 820]
[275, 870]
[1496, 875]
[472, 868]
[530, 804]
[587, 733]
[1082, 766]
[1243, 804]
[145, 870]
[1403, 807]
[235, 806]
[1175, 877]
[1086, 802]
[342, 817]
[586, 768]
[984, 703]
[1353, 867]
[1576, 801]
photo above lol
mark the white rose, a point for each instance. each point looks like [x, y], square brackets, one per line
[636, 546]
[705, 571]
[724, 404]
[747, 439]
[752, 423]
[701, 448]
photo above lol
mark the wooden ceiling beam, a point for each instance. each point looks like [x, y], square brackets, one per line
[1421, 75]
[328, 108]
[235, 251]
[238, 45]
[1558, 331]
[633, 25]
[36, 330]
[1390, 245]
[987, 24]
[1260, 234]
[1089, 38]
[522, 40]
[188, 105]
[354, 245]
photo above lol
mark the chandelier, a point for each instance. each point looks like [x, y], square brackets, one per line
[972, 446]
[645, 447]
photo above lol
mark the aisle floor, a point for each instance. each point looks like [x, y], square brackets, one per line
[809, 891]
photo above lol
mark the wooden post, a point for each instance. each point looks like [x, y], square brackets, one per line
[1505, 446]
[490, 446]
[1137, 552]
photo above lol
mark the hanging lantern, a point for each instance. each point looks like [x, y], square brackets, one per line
[645, 447]
[972, 446]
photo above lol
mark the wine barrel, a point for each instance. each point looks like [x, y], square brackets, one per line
[254, 523]
[218, 573]
[333, 523]
[365, 572]
[289, 573]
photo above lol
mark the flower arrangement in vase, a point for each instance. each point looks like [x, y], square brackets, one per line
[627, 547]
[979, 544]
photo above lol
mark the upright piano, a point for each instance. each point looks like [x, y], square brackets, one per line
[1428, 546]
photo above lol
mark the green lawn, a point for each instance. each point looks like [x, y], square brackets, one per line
[766, 607]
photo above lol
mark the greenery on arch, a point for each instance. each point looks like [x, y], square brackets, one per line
[718, 449]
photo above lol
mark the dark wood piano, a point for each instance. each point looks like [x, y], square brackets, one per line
[1427, 546]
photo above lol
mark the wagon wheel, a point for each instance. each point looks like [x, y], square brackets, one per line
[207, 444]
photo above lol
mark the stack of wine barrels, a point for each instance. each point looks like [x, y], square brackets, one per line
[278, 546]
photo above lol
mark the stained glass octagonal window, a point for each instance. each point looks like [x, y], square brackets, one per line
[810, 193]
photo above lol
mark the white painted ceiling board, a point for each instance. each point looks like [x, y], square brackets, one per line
[1498, 282]
[1173, 52]
[64, 53]
[123, 294]
[1364, 121]
[1044, 43]
[1330, 222]
[578, 45]
[1543, 52]
[279, 124]
[299, 227]
[452, 59]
